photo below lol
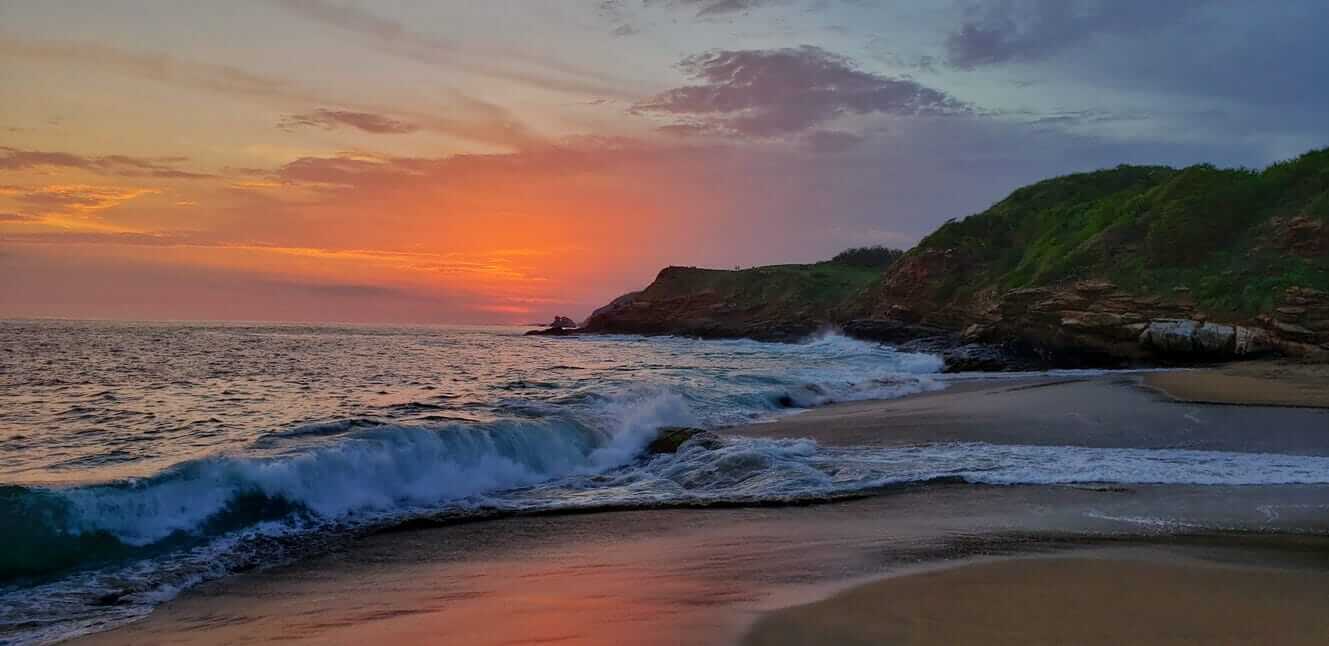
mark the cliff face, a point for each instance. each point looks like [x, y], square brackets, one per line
[1131, 264]
[783, 302]
[1113, 267]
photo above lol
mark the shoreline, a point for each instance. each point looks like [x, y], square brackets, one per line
[637, 572]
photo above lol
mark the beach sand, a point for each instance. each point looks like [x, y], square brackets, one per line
[1259, 383]
[1106, 600]
[1116, 558]
[1113, 411]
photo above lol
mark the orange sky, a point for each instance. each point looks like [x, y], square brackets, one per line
[508, 161]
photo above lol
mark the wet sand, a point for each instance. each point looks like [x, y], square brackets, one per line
[1105, 599]
[1262, 383]
[704, 576]
[666, 577]
[1114, 411]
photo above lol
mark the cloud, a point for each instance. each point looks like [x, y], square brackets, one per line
[1031, 30]
[16, 217]
[122, 165]
[470, 119]
[396, 39]
[832, 141]
[73, 198]
[331, 119]
[776, 92]
[711, 8]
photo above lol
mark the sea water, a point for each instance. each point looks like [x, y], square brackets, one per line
[138, 459]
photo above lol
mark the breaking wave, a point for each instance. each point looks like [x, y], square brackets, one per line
[85, 555]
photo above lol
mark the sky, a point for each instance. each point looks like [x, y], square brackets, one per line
[508, 160]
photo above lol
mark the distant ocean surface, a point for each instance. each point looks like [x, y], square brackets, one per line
[138, 459]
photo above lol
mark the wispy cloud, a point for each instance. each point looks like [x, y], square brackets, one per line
[466, 118]
[499, 265]
[67, 198]
[331, 119]
[16, 217]
[394, 38]
[121, 165]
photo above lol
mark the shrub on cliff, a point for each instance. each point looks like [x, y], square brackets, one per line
[1149, 229]
[877, 257]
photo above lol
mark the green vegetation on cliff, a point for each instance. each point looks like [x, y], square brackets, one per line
[816, 286]
[775, 302]
[1234, 238]
[1119, 265]
[875, 257]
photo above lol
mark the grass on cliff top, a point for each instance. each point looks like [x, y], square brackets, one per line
[1150, 229]
[819, 285]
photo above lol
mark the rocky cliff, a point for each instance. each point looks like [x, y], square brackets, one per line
[778, 303]
[1129, 265]
[1133, 264]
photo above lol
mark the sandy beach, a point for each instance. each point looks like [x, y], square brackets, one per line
[1258, 383]
[936, 564]
[1104, 598]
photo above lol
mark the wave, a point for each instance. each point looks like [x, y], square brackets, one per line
[136, 544]
[363, 475]
[387, 474]
[106, 551]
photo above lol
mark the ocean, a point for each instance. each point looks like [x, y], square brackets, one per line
[139, 459]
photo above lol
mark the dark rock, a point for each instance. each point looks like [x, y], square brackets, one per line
[670, 438]
[562, 326]
[1094, 286]
[553, 331]
[930, 344]
[1293, 330]
[980, 357]
[888, 330]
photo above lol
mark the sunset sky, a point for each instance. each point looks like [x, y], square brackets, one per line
[504, 161]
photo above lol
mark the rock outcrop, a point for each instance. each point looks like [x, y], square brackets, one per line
[670, 439]
[1125, 266]
[561, 326]
[779, 303]
[1094, 323]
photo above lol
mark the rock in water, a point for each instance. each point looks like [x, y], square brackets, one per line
[670, 438]
[562, 326]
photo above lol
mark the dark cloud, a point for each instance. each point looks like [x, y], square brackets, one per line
[776, 92]
[710, 8]
[15, 159]
[832, 141]
[1030, 30]
[331, 119]
[121, 165]
[15, 217]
